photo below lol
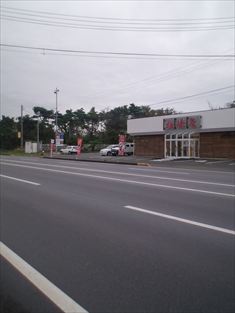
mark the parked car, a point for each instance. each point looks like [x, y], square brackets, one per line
[107, 150]
[128, 150]
[69, 150]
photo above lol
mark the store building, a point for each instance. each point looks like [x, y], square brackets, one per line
[204, 134]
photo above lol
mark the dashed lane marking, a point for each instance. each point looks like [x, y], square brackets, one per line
[20, 180]
[182, 220]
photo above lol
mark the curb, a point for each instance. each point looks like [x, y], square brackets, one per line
[144, 164]
[97, 161]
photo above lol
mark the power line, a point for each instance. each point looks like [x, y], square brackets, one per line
[117, 28]
[110, 53]
[194, 95]
[182, 70]
[121, 19]
[113, 21]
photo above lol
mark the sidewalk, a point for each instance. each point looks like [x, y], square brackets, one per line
[96, 157]
[222, 164]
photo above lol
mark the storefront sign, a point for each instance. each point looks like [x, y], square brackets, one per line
[186, 122]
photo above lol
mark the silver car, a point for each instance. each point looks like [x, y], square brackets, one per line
[107, 150]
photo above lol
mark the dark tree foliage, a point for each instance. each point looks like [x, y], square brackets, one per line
[95, 127]
[8, 133]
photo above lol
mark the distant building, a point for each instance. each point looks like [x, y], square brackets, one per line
[204, 134]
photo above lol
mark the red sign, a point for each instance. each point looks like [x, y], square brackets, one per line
[181, 123]
[190, 122]
[122, 141]
[79, 144]
[169, 123]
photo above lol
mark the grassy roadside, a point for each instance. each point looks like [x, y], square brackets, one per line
[18, 152]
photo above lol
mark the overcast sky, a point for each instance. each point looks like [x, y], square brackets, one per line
[29, 77]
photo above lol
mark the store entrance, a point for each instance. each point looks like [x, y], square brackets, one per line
[182, 145]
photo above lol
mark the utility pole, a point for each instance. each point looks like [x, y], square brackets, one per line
[56, 115]
[38, 135]
[21, 130]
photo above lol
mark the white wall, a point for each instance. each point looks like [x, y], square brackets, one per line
[214, 120]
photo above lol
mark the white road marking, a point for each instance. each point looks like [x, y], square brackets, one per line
[182, 220]
[129, 174]
[188, 169]
[20, 180]
[215, 162]
[139, 167]
[57, 296]
[123, 180]
[157, 170]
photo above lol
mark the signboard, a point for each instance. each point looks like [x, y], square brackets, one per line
[169, 123]
[181, 123]
[184, 122]
[52, 146]
[122, 141]
[79, 144]
[194, 122]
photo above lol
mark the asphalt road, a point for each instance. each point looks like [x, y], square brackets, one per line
[121, 238]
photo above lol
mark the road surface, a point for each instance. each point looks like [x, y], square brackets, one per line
[119, 238]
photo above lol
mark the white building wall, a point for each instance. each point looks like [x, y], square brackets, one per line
[211, 120]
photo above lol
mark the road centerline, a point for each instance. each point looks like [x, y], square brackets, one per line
[20, 180]
[182, 220]
[56, 295]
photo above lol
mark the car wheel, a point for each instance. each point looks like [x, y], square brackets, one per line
[108, 153]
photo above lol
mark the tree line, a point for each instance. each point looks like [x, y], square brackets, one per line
[95, 127]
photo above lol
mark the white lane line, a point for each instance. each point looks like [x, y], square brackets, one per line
[57, 296]
[20, 180]
[188, 169]
[123, 180]
[182, 220]
[139, 167]
[130, 174]
[157, 170]
[215, 162]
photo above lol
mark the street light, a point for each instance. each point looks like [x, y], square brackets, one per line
[56, 115]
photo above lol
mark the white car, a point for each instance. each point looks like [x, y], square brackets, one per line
[107, 150]
[128, 149]
[69, 150]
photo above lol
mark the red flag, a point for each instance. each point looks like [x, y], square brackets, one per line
[122, 141]
[79, 144]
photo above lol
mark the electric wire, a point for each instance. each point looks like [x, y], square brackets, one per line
[91, 20]
[110, 53]
[218, 90]
[152, 80]
[119, 19]
[116, 28]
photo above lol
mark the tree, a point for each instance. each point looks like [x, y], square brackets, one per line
[8, 133]
[92, 123]
[46, 118]
[29, 127]
[230, 104]
[44, 114]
